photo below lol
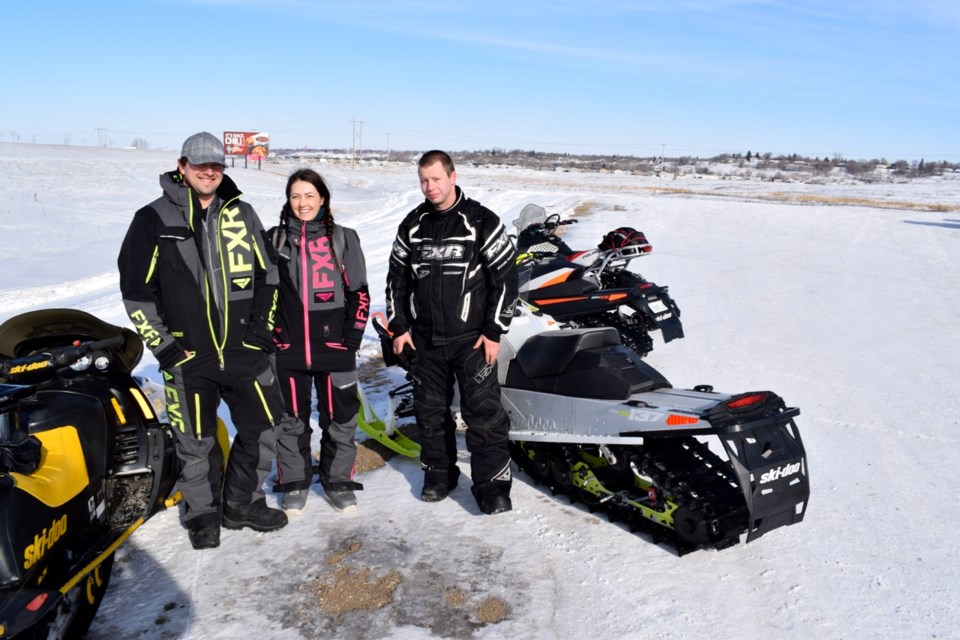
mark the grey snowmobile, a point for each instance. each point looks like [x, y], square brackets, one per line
[694, 468]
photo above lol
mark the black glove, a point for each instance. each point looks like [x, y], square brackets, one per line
[170, 356]
[258, 335]
[352, 340]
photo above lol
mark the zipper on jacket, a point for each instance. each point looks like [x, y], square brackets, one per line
[305, 293]
[220, 345]
[206, 279]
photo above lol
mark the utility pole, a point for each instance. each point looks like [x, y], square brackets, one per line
[662, 151]
[353, 152]
[101, 137]
[388, 146]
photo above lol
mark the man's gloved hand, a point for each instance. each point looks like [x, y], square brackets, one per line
[172, 355]
[258, 335]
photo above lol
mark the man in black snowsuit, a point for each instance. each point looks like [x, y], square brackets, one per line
[451, 291]
[199, 288]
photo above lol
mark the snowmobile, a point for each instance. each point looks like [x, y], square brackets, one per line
[694, 468]
[593, 288]
[84, 461]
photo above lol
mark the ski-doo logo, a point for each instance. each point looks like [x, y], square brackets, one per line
[445, 252]
[25, 368]
[780, 472]
[44, 541]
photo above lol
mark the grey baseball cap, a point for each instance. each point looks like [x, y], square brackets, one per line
[203, 148]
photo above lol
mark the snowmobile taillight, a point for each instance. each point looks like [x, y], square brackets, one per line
[37, 602]
[674, 420]
[747, 400]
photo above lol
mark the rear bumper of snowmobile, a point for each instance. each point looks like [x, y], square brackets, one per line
[770, 463]
[655, 303]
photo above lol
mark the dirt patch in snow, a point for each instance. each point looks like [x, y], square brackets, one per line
[347, 588]
[358, 593]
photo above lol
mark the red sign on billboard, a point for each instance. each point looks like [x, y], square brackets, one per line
[246, 143]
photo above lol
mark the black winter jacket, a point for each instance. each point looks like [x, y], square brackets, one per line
[324, 299]
[452, 275]
[193, 282]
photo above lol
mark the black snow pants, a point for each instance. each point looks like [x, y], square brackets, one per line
[437, 369]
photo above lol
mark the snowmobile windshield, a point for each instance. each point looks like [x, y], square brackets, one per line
[532, 214]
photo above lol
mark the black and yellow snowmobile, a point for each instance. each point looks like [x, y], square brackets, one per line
[84, 461]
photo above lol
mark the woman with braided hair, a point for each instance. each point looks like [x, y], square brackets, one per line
[322, 311]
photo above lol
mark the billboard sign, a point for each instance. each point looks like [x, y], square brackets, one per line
[255, 144]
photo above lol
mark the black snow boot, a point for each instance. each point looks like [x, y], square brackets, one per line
[493, 496]
[438, 483]
[257, 516]
[204, 531]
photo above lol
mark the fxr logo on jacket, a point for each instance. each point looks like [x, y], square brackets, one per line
[430, 252]
[240, 256]
[323, 271]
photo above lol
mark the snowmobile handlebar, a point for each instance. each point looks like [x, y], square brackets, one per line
[550, 224]
[46, 364]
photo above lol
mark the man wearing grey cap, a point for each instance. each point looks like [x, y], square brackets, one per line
[199, 286]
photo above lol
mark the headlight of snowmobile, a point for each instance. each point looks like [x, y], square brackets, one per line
[82, 364]
[101, 363]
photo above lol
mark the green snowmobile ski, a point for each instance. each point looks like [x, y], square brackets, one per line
[384, 433]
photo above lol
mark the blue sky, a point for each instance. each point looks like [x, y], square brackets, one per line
[819, 78]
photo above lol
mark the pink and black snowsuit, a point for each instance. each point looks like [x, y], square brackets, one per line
[322, 311]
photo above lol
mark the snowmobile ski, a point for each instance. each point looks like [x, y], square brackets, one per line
[384, 433]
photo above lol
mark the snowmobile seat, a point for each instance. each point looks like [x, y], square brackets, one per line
[549, 353]
[582, 363]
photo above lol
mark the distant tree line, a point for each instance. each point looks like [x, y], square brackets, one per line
[788, 166]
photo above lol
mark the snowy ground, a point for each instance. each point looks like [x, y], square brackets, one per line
[851, 313]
